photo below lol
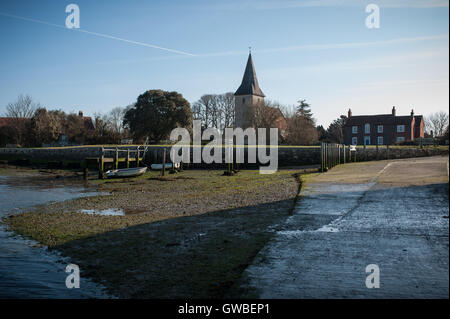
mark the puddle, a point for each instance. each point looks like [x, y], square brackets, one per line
[105, 212]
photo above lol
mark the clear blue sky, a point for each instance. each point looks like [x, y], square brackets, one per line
[320, 51]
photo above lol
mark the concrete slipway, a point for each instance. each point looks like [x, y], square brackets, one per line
[390, 213]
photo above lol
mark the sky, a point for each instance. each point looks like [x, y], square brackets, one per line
[321, 51]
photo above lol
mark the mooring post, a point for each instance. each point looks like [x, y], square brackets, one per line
[101, 163]
[137, 156]
[116, 164]
[85, 169]
[163, 171]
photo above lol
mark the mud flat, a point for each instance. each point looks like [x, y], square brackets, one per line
[189, 234]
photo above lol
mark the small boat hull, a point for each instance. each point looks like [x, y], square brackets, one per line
[126, 172]
[167, 165]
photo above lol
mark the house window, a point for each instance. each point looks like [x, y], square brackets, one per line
[380, 128]
[354, 129]
[366, 140]
[400, 128]
[380, 140]
[354, 140]
[367, 128]
[400, 139]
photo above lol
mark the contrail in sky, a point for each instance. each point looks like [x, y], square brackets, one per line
[97, 34]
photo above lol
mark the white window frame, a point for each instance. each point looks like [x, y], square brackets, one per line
[401, 128]
[354, 140]
[400, 139]
[380, 140]
[355, 129]
[367, 128]
[380, 128]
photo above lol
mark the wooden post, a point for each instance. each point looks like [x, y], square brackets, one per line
[344, 153]
[138, 155]
[85, 170]
[163, 171]
[116, 159]
[101, 163]
[387, 151]
[339, 154]
[128, 158]
[321, 157]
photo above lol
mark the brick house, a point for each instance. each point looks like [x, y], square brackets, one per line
[383, 129]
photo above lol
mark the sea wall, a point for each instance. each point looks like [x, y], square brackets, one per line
[287, 156]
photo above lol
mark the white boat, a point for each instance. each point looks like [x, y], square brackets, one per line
[168, 166]
[126, 172]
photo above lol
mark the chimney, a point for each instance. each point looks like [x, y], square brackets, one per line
[412, 112]
[393, 110]
[80, 113]
[349, 112]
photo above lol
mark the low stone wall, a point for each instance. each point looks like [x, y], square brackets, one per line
[287, 156]
[372, 154]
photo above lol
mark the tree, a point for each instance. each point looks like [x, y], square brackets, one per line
[24, 107]
[301, 131]
[304, 109]
[301, 128]
[46, 126]
[335, 131]
[116, 120]
[322, 133]
[156, 113]
[19, 112]
[74, 129]
[215, 110]
[437, 122]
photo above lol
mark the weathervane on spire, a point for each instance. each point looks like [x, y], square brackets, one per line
[250, 50]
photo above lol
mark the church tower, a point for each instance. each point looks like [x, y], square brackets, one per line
[247, 96]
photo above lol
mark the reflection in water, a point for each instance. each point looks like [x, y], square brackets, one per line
[28, 271]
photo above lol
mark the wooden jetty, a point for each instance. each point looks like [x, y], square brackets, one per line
[115, 156]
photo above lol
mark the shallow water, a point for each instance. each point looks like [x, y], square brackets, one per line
[28, 271]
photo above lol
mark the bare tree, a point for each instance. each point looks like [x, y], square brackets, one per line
[20, 111]
[437, 122]
[24, 107]
[116, 120]
[215, 110]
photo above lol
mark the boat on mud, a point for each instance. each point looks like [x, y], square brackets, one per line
[167, 165]
[126, 172]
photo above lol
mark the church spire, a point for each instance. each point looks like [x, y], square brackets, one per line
[249, 85]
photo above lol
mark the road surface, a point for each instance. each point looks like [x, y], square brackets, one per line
[393, 214]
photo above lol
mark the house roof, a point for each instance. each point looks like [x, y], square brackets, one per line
[12, 121]
[386, 119]
[88, 124]
[249, 83]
